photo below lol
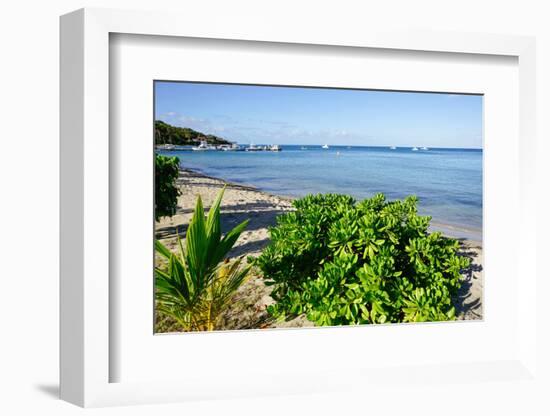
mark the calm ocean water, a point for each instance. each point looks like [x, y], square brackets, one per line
[448, 182]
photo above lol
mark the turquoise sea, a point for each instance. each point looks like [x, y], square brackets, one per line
[448, 182]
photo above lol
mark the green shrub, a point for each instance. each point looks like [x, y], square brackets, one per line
[341, 262]
[198, 283]
[166, 190]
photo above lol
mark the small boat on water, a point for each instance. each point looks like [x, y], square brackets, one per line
[424, 148]
[253, 148]
[264, 148]
[203, 146]
[325, 146]
[303, 148]
[167, 146]
[415, 149]
[393, 147]
[230, 148]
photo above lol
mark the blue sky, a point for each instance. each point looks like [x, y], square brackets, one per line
[283, 115]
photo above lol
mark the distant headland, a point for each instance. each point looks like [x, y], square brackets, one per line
[183, 136]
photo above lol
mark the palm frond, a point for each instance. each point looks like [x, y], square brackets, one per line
[195, 287]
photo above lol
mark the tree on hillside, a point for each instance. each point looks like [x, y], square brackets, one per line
[181, 136]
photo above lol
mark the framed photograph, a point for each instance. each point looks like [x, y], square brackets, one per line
[325, 222]
[292, 208]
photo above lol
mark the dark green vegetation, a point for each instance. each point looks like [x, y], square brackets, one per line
[181, 136]
[198, 283]
[166, 190]
[344, 262]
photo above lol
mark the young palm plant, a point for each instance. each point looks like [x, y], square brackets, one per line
[198, 282]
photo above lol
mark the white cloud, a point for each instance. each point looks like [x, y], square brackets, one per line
[191, 119]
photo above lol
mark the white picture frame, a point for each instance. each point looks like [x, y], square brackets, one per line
[86, 353]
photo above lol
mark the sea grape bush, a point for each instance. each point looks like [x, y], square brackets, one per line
[343, 262]
[166, 190]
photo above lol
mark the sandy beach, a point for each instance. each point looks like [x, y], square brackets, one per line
[242, 202]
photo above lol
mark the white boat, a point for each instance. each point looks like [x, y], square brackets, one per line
[415, 149]
[325, 146]
[304, 148]
[424, 148]
[167, 146]
[233, 148]
[204, 146]
[393, 147]
[275, 148]
[253, 148]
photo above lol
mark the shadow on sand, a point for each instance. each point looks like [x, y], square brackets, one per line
[465, 304]
[260, 215]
